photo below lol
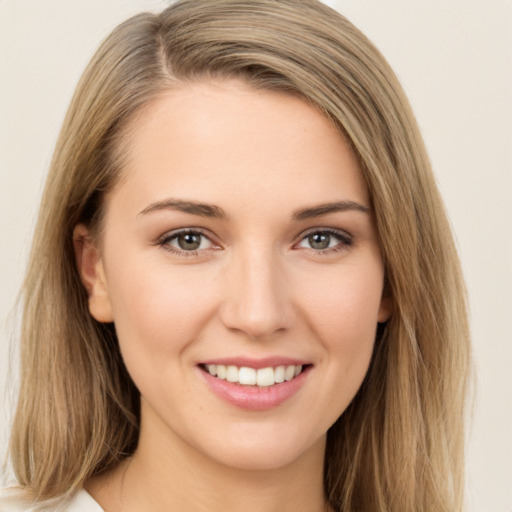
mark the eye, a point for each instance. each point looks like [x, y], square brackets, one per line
[186, 241]
[325, 240]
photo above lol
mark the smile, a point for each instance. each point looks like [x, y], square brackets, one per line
[255, 385]
[247, 376]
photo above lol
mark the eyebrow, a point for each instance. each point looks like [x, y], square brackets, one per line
[192, 207]
[324, 209]
[216, 212]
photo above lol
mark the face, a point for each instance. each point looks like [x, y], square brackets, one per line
[240, 263]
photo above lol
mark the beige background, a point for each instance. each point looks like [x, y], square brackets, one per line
[455, 61]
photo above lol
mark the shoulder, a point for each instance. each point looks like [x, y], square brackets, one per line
[12, 499]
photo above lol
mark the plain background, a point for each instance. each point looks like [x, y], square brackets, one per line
[454, 59]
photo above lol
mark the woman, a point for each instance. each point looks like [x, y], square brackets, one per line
[243, 291]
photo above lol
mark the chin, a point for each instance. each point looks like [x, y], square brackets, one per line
[265, 450]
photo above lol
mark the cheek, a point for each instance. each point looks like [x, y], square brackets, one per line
[158, 309]
[345, 302]
[344, 319]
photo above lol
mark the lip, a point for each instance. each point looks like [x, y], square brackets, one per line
[253, 398]
[257, 363]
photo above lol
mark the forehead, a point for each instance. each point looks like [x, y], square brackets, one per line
[223, 141]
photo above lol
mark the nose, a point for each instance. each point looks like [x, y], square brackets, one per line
[257, 296]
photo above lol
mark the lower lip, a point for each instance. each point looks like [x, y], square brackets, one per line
[254, 398]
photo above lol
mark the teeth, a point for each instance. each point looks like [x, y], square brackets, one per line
[232, 374]
[289, 373]
[247, 376]
[221, 371]
[279, 374]
[263, 377]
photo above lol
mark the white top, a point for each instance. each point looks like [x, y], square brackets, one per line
[11, 500]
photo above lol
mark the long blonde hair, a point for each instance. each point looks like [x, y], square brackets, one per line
[399, 445]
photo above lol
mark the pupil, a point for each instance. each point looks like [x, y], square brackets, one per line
[189, 241]
[319, 240]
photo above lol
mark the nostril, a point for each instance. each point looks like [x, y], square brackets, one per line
[256, 297]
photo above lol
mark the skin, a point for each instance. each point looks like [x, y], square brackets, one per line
[256, 287]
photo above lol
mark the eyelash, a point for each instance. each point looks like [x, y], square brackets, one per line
[165, 240]
[344, 239]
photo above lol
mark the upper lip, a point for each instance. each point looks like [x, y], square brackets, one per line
[256, 363]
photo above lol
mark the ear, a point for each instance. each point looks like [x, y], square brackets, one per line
[92, 273]
[385, 309]
[386, 304]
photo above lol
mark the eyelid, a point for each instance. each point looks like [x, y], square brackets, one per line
[345, 238]
[325, 229]
[164, 240]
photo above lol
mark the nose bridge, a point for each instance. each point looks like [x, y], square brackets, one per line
[257, 299]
